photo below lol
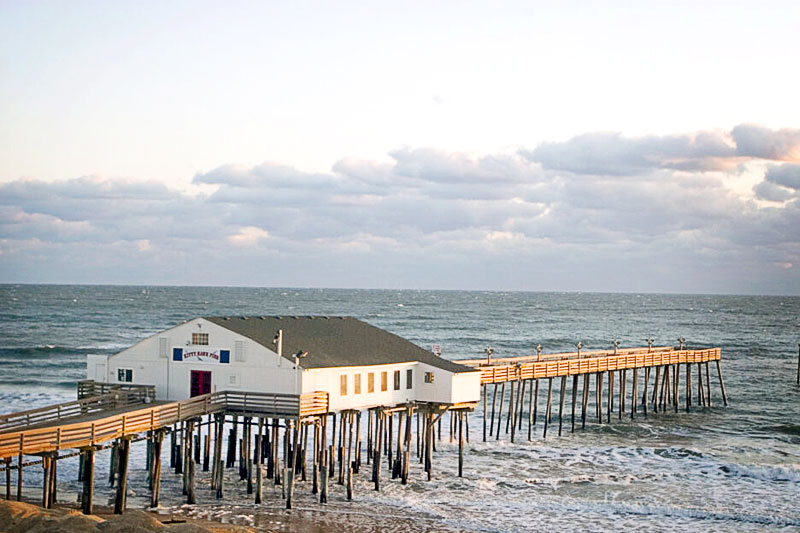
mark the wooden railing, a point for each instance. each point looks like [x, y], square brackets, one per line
[313, 403]
[483, 361]
[62, 411]
[498, 373]
[91, 433]
[88, 388]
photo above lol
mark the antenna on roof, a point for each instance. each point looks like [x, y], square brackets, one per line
[299, 355]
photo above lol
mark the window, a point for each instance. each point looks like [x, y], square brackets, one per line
[396, 380]
[200, 339]
[371, 382]
[125, 375]
[343, 385]
[238, 350]
[409, 379]
[428, 377]
[383, 381]
[162, 347]
[357, 384]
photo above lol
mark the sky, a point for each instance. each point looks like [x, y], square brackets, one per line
[545, 146]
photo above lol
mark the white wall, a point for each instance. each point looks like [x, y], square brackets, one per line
[261, 369]
[446, 388]
[329, 380]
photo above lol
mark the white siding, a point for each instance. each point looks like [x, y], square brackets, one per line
[258, 371]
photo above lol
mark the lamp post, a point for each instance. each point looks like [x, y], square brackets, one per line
[489, 352]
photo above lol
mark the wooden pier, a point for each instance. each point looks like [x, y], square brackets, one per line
[525, 372]
[268, 434]
[116, 417]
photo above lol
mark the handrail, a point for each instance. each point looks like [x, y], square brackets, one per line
[569, 367]
[89, 387]
[483, 361]
[67, 410]
[93, 432]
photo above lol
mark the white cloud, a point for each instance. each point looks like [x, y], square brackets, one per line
[435, 218]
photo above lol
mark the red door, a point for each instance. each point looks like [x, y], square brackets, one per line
[201, 383]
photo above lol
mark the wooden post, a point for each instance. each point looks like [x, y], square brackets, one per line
[494, 400]
[676, 376]
[259, 488]
[158, 438]
[654, 399]
[599, 394]
[429, 449]
[483, 393]
[511, 403]
[634, 392]
[561, 403]
[357, 452]
[585, 400]
[19, 468]
[370, 443]
[315, 459]
[610, 394]
[8, 478]
[376, 460]
[46, 460]
[397, 459]
[535, 401]
[221, 479]
[500, 412]
[574, 399]
[549, 406]
[688, 386]
[389, 439]
[207, 447]
[53, 473]
[722, 384]
[112, 464]
[701, 395]
[88, 481]
[290, 491]
[323, 463]
[460, 444]
[123, 449]
[350, 455]
[644, 395]
[708, 384]
[623, 390]
[520, 410]
[191, 497]
[407, 455]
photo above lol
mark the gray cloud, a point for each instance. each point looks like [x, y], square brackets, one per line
[787, 175]
[536, 220]
[612, 154]
[759, 142]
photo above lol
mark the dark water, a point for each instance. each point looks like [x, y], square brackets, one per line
[721, 469]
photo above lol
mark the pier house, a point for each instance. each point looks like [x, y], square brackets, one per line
[358, 365]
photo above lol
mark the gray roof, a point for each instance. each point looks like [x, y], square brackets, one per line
[333, 341]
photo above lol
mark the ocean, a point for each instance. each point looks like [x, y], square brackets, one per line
[714, 469]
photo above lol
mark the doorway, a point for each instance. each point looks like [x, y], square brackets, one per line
[201, 383]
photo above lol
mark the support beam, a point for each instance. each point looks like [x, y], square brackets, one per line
[123, 451]
[158, 438]
[87, 496]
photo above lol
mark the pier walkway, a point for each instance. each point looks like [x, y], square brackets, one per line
[524, 372]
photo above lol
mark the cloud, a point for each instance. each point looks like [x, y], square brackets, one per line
[597, 212]
[612, 154]
[759, 142]
[248, 236]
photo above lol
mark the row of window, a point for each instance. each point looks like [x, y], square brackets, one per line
[371, 382]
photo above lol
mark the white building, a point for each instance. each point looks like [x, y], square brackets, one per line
[357, 364]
